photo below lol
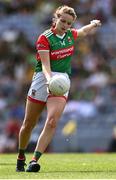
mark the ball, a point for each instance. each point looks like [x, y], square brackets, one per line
[59, 85]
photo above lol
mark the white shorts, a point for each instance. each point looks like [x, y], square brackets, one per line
[38, 89]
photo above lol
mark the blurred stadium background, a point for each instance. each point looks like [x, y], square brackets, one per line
[88, 123]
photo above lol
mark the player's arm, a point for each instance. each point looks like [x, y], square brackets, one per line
[85, 30]
[43, 50]
[44, 55]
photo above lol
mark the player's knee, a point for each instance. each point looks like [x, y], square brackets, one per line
[52, 123]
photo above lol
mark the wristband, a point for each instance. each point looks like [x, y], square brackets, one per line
[95, 24]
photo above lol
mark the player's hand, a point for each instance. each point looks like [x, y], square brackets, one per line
[97, 23]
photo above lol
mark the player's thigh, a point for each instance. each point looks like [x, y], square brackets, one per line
[55, 106]
[33, 111]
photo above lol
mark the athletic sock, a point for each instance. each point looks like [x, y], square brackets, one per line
[36, 155]
[21, 154]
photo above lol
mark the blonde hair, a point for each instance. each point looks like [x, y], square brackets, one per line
[64, 9]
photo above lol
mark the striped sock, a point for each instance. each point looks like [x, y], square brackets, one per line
[36, 155]
[21, 154]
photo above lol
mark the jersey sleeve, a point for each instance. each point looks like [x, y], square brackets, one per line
[42, 44]
[75, 33]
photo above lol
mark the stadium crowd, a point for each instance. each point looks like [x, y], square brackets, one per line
[93, 90]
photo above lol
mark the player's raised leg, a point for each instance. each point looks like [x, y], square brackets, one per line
[55, 107]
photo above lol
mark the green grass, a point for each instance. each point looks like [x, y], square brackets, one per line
[63, 166]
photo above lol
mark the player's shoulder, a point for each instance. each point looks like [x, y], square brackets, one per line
[71, 30]
[47, 33]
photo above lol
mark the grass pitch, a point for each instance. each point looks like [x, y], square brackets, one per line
[63, 166]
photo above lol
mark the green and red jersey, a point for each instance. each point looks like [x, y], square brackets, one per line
[60, 50]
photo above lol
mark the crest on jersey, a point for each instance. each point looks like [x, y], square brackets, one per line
[69, 39]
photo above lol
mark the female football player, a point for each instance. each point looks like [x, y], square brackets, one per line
[55, 48]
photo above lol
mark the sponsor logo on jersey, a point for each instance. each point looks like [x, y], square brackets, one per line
[62, 53]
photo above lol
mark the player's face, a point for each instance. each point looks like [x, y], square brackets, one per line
[64, 22]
